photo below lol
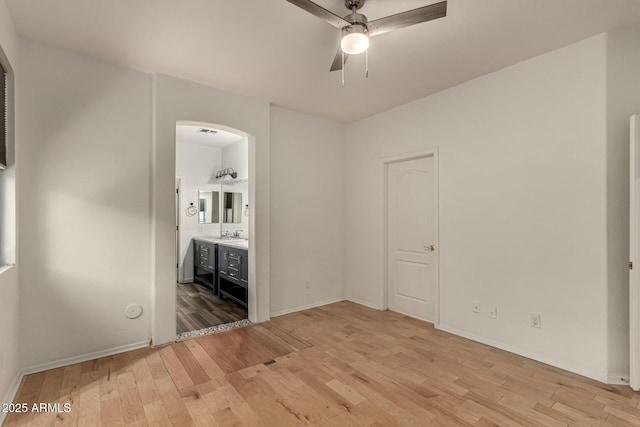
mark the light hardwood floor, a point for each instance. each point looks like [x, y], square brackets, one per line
[337, 365]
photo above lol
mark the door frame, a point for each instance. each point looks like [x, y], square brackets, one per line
[163, 321]
[179, 272]
[634, 243]
[383, 236]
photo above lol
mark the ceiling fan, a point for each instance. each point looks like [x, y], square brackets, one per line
[356, 29]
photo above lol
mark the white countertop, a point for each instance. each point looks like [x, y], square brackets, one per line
[233, 242]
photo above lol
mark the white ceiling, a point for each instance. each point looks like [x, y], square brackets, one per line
[189, 134]
[274, 51]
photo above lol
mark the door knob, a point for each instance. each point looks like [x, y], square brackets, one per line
[429, 248]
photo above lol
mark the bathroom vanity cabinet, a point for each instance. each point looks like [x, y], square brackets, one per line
[233, 273]
[205, 264]
[223, 268]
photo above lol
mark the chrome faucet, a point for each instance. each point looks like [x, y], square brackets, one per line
[237, 233]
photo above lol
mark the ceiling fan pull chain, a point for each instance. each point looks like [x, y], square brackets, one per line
[366, 62]
[343, 64]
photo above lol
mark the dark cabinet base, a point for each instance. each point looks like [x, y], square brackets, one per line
[205, 264]
[207, 280]
[234, 292]
[223, 269]
[233, 267]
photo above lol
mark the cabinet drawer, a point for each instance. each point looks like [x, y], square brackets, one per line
[234, 258]
[231, 259]
[204, 255]
[200, 250]
[231, 276]
[233, 273]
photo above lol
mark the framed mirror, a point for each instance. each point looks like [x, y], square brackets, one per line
[208, 207]
[232, 208]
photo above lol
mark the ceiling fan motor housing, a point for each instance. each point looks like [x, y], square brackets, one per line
[356, 19]
[357, 27]
[355, 37]
[358, 24]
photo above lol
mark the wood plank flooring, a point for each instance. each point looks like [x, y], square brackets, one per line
[337, 365]
[198, 308]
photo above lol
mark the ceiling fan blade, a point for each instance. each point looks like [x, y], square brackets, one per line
[337, 61]
[321, 13]
[405, 19]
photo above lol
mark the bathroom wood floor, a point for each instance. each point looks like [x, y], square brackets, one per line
[198, 308]
[337, 365]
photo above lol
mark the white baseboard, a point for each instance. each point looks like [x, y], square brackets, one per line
[362, 302]
[305, 307]
[618, 379]
[13, 388]
[84, 357]
[598, 376]
[11, 393]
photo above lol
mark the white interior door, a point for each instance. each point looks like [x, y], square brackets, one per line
[411, 237]
[634, 242]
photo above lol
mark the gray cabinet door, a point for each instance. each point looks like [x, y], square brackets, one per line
[244, 273]
[223, 259]
[211, 259]
[232, 267]
[204, 262]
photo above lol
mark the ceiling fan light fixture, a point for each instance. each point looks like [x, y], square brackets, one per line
[354, 39]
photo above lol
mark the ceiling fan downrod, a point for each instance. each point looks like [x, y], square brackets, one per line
[351, 4]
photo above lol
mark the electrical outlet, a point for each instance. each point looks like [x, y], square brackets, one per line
[308, 285]
[535, 320]
[493, 313]
[476, 307]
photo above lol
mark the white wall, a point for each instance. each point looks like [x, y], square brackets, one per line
[84, 208]
[236, 156]
[180, 100]
[196, 166]
[9, 290]
[523, 203]
[623, 100]
[307, 211]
